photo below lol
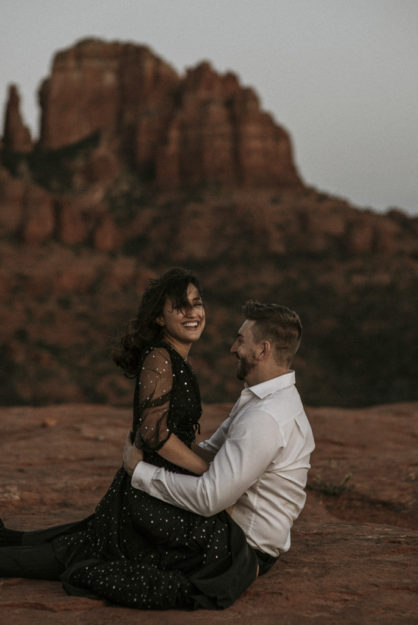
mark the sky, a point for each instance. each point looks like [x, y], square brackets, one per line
[340, 75]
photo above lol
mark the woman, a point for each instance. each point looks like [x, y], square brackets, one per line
[136, 550]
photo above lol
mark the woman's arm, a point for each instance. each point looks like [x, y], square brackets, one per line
[205, 454]
[154, 432]
[176, 452]
[173, 450]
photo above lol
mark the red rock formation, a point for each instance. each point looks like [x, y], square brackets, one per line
[11, 203]
[25, 209]
[39, 217]
[201, 129]
[16, 136]
[79, 218]
[124, 143]
[107, 237]
[219, 134]
[101, 86]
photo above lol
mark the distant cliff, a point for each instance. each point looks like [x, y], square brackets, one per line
[202, 128]
[137, 168]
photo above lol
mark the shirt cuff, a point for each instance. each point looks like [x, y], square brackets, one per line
[142, 476]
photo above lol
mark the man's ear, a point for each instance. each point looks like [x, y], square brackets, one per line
[264, 350]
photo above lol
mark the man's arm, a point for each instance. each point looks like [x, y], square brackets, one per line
[252, 443]
[209, 448]
[173, 450]
[206, 449]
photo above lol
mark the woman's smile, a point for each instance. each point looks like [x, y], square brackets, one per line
[183, 326]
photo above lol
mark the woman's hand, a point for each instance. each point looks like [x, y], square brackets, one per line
[131, 456]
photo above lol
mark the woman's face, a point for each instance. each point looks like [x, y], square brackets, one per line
[184, 325]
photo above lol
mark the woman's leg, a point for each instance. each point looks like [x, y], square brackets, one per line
[34, 561]
[131, 583]
[9, 537]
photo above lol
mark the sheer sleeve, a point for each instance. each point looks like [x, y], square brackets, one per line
[155, 385]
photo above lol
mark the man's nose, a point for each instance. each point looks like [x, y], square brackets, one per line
[233, 348]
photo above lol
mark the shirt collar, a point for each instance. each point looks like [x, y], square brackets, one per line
[271, 386]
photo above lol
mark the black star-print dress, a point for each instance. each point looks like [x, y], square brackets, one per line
[141, 552]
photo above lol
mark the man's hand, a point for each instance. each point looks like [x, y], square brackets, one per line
[131, 456]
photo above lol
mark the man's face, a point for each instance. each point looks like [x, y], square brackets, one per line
[244, 348]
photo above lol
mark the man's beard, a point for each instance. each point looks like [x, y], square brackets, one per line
[244, 368]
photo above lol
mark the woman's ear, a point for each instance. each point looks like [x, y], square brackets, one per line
[160, 320]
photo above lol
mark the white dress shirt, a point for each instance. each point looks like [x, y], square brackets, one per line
[261, 464]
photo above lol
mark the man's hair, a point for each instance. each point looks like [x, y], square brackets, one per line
[278, 324]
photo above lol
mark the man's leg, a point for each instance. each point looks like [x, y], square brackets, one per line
[35, 562]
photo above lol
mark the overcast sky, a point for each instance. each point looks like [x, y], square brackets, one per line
[340, 75]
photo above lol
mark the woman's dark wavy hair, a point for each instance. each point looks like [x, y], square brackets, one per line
[144, 329]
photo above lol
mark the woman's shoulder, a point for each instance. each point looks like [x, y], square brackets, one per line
[164, 356]
[156, 357]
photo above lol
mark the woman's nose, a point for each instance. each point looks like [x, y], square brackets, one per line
[186, 310]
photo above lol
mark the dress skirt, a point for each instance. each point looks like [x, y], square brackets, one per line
[143, 553]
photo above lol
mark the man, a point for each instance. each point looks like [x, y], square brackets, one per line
[260, 454]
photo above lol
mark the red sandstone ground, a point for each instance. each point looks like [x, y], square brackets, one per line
[353, 557]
